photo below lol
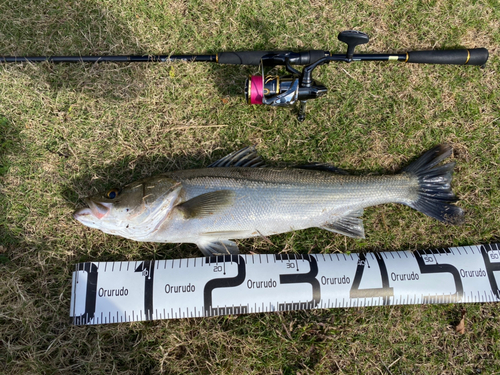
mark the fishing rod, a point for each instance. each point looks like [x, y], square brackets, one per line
[298, 86]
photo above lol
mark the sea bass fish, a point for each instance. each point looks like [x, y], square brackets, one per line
[238, 197]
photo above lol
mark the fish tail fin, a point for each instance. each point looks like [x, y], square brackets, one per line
[435, 197]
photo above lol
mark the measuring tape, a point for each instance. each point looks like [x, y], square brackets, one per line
[115, 292]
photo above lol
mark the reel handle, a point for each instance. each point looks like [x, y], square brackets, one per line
[477, 56]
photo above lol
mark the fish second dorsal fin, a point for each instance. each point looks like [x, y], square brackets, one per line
[321, 167]
[246, 157]
[350, 225]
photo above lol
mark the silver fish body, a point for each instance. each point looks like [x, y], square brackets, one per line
[212, 206]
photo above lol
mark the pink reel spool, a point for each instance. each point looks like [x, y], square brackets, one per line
[255, 90]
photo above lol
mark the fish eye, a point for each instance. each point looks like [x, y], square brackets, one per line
[113, 193]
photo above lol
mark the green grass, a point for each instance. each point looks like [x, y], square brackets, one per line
[68, 131]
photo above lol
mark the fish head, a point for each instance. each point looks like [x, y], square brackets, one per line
[119, 211]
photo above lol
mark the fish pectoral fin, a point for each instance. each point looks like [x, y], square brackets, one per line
[246, 157]
[350, 225]
[218, 247]
[207, 204]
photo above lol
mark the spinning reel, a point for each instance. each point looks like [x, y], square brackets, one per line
[300, 87]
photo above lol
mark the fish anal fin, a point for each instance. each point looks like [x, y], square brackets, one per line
[206, 204]
[217, 247]
[350, 225]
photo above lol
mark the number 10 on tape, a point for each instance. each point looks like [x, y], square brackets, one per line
[115, 292]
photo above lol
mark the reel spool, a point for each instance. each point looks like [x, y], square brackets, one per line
[280, 91]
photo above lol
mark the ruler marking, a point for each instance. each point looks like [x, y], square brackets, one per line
[477, 292]
[76, 273]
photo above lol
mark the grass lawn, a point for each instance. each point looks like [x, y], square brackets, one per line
[68, 131]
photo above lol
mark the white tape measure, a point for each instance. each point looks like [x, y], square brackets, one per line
[114, 292]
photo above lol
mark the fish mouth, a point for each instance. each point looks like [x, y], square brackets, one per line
[92, 212]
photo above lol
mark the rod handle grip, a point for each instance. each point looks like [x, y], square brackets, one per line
[477, 56]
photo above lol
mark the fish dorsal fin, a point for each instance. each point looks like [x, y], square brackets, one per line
[218, 247]
[322, 167]
[350, 225]
[246, 157]
[206, 204]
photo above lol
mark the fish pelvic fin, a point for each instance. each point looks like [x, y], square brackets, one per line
[350, 225]
[211, 247]
[435, 197]
[207, 204]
